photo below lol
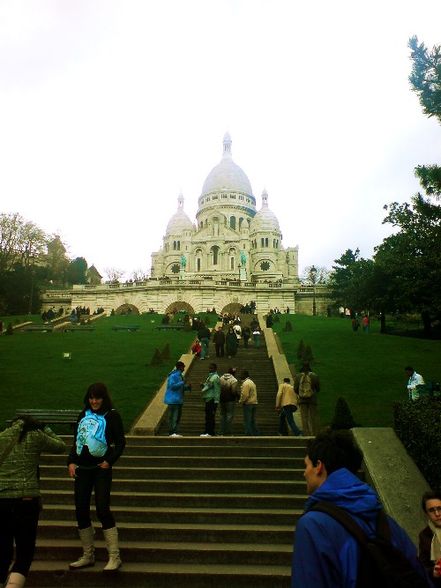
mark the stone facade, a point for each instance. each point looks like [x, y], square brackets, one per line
[230, 255]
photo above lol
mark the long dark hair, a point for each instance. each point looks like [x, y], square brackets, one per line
[98, 390]
[29, 424]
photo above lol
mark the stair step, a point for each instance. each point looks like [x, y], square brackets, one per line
[169, 552]
[179, 515]
[171, 499]
[211, 532]
[46, 574]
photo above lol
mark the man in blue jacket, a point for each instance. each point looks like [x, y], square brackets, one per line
[174, 397]
[325, 554]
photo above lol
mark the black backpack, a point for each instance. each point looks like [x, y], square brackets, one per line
[381, 564]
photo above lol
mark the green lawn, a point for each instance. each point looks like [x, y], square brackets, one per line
[34, 373]
[365, 369]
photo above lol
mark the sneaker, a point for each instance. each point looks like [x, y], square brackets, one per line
[205, 435]
[175, 435]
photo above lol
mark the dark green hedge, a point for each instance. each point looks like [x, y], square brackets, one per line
[418, 425]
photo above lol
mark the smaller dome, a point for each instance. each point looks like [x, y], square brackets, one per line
[180, 221]
[265, 219]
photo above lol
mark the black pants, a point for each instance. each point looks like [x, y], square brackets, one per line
[99, 480]
[220, 349]
[18, 523]
[210, 417]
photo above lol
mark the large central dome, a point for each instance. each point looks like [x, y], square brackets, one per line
[227, 175]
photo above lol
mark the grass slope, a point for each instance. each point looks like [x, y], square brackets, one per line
[34, 373]
[366, 369]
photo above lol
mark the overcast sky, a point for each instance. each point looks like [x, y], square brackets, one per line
[110, 108]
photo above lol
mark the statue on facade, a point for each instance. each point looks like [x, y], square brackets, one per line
[243, 258]
[183, 261]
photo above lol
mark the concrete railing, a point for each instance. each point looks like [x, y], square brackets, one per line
[395, 477]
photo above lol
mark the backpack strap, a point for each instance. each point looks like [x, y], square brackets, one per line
[344, 518]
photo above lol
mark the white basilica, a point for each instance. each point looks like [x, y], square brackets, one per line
[230, 240]
[231, 255]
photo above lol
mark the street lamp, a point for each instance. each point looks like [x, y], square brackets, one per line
[313, 277]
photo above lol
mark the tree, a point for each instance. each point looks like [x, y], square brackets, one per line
[407, 263]
[139, 275]
[57, 261]
[351, 281]
[425, 80]
[21, 242]
[318, 275]
[77, 271]
[410, 258]
[113, 274]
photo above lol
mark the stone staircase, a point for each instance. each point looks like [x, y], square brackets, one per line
[261, 371]
[191, 512]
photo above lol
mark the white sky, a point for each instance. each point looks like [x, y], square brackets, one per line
[110, 108]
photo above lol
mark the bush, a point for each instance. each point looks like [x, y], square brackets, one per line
[417, 425]
[343, 418]
[9, 329]
[301, 350]
[157, 358]
[165, 354]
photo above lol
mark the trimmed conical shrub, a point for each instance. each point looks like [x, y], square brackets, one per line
[165, 354]
[156, 359]
[343, 418]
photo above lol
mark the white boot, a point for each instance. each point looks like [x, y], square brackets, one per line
[111, 538]
[15, 580]
[88, 557]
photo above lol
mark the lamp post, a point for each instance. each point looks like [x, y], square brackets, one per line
[313, 277]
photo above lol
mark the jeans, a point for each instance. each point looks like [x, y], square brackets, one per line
[210, 417]
[19, 520]
[100, 480]
[249, 419]
[287, 414]
[227, 415]
[174, 417]
[204, 345]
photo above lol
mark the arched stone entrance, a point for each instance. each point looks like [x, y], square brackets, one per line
[179, 306]
[127, 309]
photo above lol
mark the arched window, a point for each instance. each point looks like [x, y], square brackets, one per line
[233, 223]
[198, 264]
[215, 254]
[262, 242]
[266, 241]
[231, 263]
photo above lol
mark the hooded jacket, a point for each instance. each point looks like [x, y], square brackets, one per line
[228, 385]
[19, 469]
[325, 554]
[174, 393]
